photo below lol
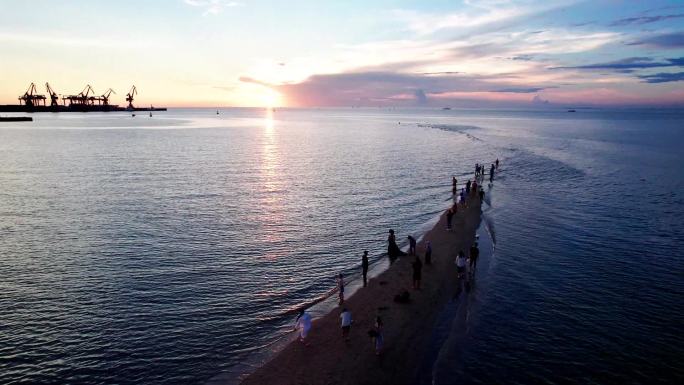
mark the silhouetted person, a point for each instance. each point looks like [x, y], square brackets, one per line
[497, 163]
[474, 255]
[460, 264]
[491, 173]
[364, 267]
[417, 270]
[473, 187]
[393, 250]
[453, 185]
[468, 187]
[482, 194]
[412, 245]
[428, 253]
[340, 288]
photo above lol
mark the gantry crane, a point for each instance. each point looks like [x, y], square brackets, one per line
[104, 98]
[31, 98]
[83, 98]
[129, 97]
[54, 99]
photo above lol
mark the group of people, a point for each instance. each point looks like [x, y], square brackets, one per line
[464, 266]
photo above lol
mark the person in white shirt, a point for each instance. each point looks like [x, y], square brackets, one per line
[304, 325]
[460, 263]
[346, 323]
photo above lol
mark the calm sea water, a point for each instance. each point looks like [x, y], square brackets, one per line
[165, 250]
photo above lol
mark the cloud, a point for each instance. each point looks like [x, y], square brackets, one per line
[663, 77]
[213, 7]
[644, 20]
[421, 98]
[628, 64]
[538, 100]
[667, 40]
[521, 90]
[360, 88]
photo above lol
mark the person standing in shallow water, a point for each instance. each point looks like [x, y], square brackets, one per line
[497, 163]
[412, 245]
[491, 173]
[428, 253]
[468, 187]
[364, 267]
[417, 273]
[340, 288]
[453, 185]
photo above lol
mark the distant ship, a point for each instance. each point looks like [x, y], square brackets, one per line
[446, 108]
[571, 110]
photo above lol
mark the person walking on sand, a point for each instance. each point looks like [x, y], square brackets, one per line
[428, 253]
[340, 288]
[468, 187]
[460, 264]
[449, 217]
[481, 194]
[364, 267]
[474, 254]
[303, 323]
[346, 323]
[417, 272]
[491, 173]
[412, 245]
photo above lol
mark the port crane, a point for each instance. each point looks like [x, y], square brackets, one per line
[31, 97]
[129, 97]
[54, 99]
[104, 98]
[83, 98]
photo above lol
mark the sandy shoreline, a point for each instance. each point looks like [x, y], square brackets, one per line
[407, 327]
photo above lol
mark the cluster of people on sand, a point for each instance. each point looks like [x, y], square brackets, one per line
[464, 265]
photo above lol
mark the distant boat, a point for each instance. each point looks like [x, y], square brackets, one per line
[446, 108]
[217, 112]
[571, 110]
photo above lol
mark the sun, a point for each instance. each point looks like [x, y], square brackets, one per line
[271, 98]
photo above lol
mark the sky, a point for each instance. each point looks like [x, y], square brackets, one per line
[468, 53]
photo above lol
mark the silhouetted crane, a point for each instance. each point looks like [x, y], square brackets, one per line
[31, 98]
[54, 99]
[105, 97]
[82, 98]
[129, 97]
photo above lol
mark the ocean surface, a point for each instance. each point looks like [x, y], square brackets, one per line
[172, 248]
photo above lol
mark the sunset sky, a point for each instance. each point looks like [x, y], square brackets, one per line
[349, 53]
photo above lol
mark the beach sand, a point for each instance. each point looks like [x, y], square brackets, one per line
[407, 327]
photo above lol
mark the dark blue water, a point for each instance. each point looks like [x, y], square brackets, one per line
[166, 250]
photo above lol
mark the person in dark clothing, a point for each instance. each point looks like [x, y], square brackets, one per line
[393, 250]
[482, 194]
[364, 267]
[474, 254]
[449, 217]
[412, 245]
[453, 185]
[417, 270]
[474, 187]
[468, 187]
[491, 173]
[428, 253]
[497, 163]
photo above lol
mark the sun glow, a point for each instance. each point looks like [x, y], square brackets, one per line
[271, 98]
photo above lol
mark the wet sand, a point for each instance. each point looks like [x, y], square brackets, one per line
[329, 359]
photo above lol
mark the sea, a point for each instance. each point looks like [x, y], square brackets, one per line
[172, 248]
